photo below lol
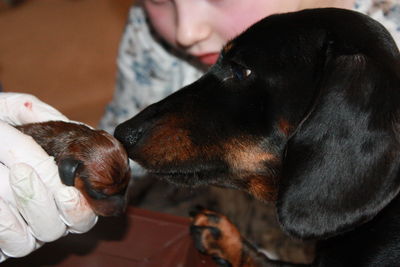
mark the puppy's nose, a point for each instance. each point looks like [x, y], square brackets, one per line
[111, 206]
[128, 135]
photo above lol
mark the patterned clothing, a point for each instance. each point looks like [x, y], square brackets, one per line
[149, 71]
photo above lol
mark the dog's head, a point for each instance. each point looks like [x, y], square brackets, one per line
[302, 108]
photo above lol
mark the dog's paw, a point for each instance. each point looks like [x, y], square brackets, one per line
[215, 235]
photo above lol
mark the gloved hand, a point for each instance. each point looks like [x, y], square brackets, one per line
[30, 185]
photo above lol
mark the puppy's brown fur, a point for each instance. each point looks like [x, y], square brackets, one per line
[102, 171]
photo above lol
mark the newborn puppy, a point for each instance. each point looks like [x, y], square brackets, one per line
[91, 160]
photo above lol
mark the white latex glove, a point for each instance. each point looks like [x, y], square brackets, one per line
[30, 185]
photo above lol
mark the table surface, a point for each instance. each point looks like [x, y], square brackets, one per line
[141, 238]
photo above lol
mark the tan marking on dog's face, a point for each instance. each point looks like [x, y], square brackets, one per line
[246, 156]
[263, 188]
[254, 167]
[168, 142]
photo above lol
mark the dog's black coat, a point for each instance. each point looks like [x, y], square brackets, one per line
[316, 96]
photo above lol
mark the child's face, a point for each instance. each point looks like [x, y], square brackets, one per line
[202, 27]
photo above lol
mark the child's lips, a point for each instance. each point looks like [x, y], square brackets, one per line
[209, 58]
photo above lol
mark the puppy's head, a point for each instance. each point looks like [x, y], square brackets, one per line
[91, 160]
[302, 108]
[97, 165]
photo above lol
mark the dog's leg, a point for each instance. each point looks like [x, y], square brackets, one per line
[215, 235]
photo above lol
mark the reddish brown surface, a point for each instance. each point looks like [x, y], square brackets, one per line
[141, 239]
[63, 52]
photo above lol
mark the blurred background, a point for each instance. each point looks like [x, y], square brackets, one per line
[62, 51]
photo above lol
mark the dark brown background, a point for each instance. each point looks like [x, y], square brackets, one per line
[63, 51]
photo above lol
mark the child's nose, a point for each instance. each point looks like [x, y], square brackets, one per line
[192, 28]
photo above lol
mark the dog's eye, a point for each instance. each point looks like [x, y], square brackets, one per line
[240, 72]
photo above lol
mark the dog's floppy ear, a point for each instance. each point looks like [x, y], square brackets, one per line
[68, 168]
[342, 163]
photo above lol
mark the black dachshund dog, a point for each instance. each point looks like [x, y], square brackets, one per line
[302, 109]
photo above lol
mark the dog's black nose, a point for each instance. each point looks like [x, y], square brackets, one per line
[127, 134]
[131, 131]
